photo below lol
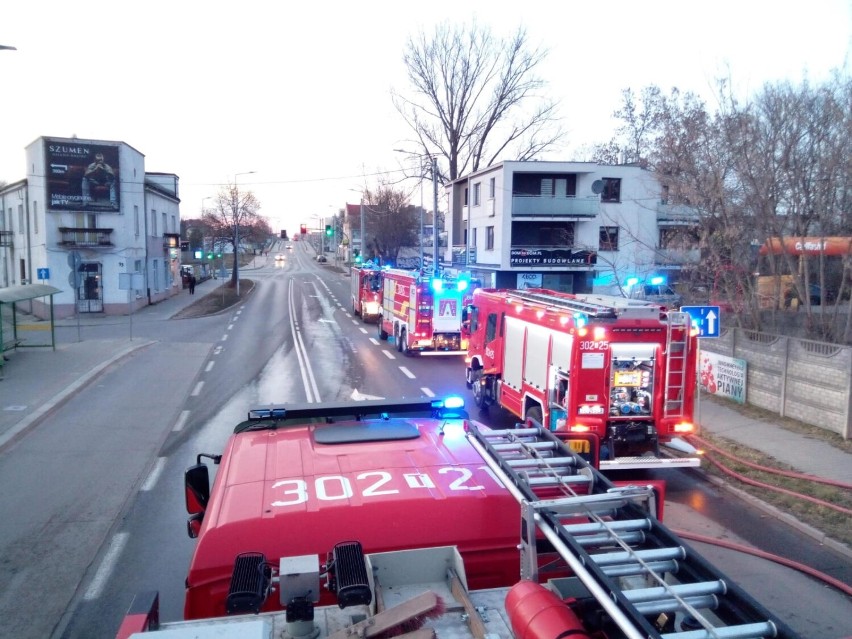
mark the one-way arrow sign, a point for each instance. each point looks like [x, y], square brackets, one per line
[708, 319]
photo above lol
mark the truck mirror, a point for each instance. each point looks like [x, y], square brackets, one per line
[193, 525]
[196, 488]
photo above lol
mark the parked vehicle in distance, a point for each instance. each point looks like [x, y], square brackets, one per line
[321, 258]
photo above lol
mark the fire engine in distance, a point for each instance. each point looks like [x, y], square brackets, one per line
[366, 286]
[426, 314]
[622, 370]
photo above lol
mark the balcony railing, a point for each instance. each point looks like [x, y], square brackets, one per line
[676, 257]
[677, 215]
[84, 237]
[554, 206]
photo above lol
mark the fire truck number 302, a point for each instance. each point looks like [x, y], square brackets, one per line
[373, 484]
[590, 345]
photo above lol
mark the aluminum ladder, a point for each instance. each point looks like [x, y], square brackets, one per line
[644, 579]
[677, 343]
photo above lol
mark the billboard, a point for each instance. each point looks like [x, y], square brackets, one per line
[81, 176]
[723, 376]
[550, 257]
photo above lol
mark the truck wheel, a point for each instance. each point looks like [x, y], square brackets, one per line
[355, 309]
[382, 333]
[397, 338]
[478, 389]
[534, 413]
[403, 344]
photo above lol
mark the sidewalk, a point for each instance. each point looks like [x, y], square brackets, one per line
[804, 453]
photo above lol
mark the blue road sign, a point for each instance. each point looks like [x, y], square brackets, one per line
[706, 318]
[43, 273]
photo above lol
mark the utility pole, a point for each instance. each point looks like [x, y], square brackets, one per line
[435, 214]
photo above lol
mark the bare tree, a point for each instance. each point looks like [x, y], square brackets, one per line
[390, 221]
[469, 99]
[236, 213]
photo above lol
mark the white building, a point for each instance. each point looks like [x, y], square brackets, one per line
[89, 220]
[576, 227]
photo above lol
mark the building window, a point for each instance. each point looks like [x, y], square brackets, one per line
[611, 190]
[174, 224]
[137, 266]
[608, 238]
[136, 219]
[165, 223]
[153, 224]
[465, 196]
[11, 226]
[489, 238]
[492, 188]
[156, 272]
[20, 218]
[473, 237]
[35, 218]
[476, 194]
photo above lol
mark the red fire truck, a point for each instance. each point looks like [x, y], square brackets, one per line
[366, 284]
[623, 370]
[382, 518]
[424, 313]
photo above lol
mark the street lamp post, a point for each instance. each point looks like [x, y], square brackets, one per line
[434, 170]
[237, 231]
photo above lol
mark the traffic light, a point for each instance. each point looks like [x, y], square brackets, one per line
[328, 231]
[304, 229]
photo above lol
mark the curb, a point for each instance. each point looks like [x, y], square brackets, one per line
[34, 418]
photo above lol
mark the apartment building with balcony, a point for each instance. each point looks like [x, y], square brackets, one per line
[89, 220]
[578, 227]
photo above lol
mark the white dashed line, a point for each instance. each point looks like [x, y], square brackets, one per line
[230, 326]
[116, 546]
[181, 422]
[427, 391]
[389, 355]
[407, 372]
[364, 330]
[197, 390]
[375, 341]
[225, 337]
[209, 366]
[152, 478]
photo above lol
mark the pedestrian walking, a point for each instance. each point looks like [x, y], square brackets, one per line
[192, 284]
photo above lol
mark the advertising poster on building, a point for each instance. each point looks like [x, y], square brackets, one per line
[81, 177]
[723, 376]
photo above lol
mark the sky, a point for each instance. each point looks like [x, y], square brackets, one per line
[300, 93]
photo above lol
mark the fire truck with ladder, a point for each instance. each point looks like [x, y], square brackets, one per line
[407, 518]
[623, 370]
[366, 286]
[424, 313]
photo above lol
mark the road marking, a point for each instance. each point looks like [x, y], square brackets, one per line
[197, 390]
[217, 350]
[427, 391]
[209, 367]
[407, 372]
[354, 321]
[230, 326]
[364, 330]
[116, 546]
[152, 478]
[225, 337]
[389, 354]
[375, 341]
[181, 422]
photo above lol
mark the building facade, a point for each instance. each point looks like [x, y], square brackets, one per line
[577, 227]
[89, 220]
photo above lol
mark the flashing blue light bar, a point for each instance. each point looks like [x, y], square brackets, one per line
[580, 320]
[659, 279]
[437, 284]
[462, 285]
[632, 281]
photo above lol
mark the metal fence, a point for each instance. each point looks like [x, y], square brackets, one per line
[801, 379]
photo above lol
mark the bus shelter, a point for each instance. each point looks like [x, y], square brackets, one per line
[15, 322]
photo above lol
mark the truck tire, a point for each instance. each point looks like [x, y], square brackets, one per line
[535, 414]
[403, 344]
[355, 309]
[382, 333]
[479, 397]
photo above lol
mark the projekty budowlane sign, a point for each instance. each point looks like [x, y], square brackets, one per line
[706, 318]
